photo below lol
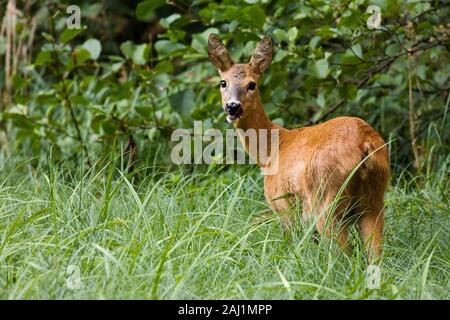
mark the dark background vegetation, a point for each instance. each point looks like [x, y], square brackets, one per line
[139, 69]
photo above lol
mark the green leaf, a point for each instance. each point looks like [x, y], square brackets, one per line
[321, 101]
[321, 68]
[183, 102]
[393, 49]
[164, 67]
[144, 10]
[127, 49]
[140, 54]
[280, 35]
[314, 42]
[94, 47]
[43, 58]
[166, 22]
[47, 36]
[166, 47]
[255, 16]
[81, 55]
[18, 82]
[200, 40]
[357, 50]
[137, 53]
[109, 126]
[69, 34]
[292, 34]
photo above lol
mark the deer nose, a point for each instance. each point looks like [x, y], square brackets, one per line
[233, 108]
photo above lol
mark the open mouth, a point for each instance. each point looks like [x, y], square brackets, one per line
[233, 116]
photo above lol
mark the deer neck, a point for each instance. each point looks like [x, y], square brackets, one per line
[259, 123]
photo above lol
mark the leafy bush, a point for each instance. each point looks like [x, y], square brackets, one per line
[85, 88]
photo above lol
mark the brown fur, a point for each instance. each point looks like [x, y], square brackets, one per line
[314, 162]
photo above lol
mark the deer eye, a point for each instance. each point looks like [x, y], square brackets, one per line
[223, 84]
[252, 86]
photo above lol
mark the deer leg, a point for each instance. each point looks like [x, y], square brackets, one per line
[371, 230]
[286, 222]
[283, 207]
[338, 233]
[333, 225]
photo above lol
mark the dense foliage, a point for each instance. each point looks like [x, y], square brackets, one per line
[137, 70]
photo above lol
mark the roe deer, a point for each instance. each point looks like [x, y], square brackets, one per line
[314, 162]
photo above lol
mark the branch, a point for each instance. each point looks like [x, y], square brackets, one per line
[65, 93]
[385, 63]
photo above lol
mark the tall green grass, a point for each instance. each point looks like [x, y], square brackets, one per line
[155, 234]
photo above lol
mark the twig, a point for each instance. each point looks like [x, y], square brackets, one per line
[385, 63]
[411, 117]
[66, 95]
[360, 84]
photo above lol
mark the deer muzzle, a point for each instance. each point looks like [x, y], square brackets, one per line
[233, 109]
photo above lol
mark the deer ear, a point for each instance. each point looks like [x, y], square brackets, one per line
[218, 54]
[262, 56]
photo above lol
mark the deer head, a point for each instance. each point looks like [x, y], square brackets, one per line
[238, 85]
